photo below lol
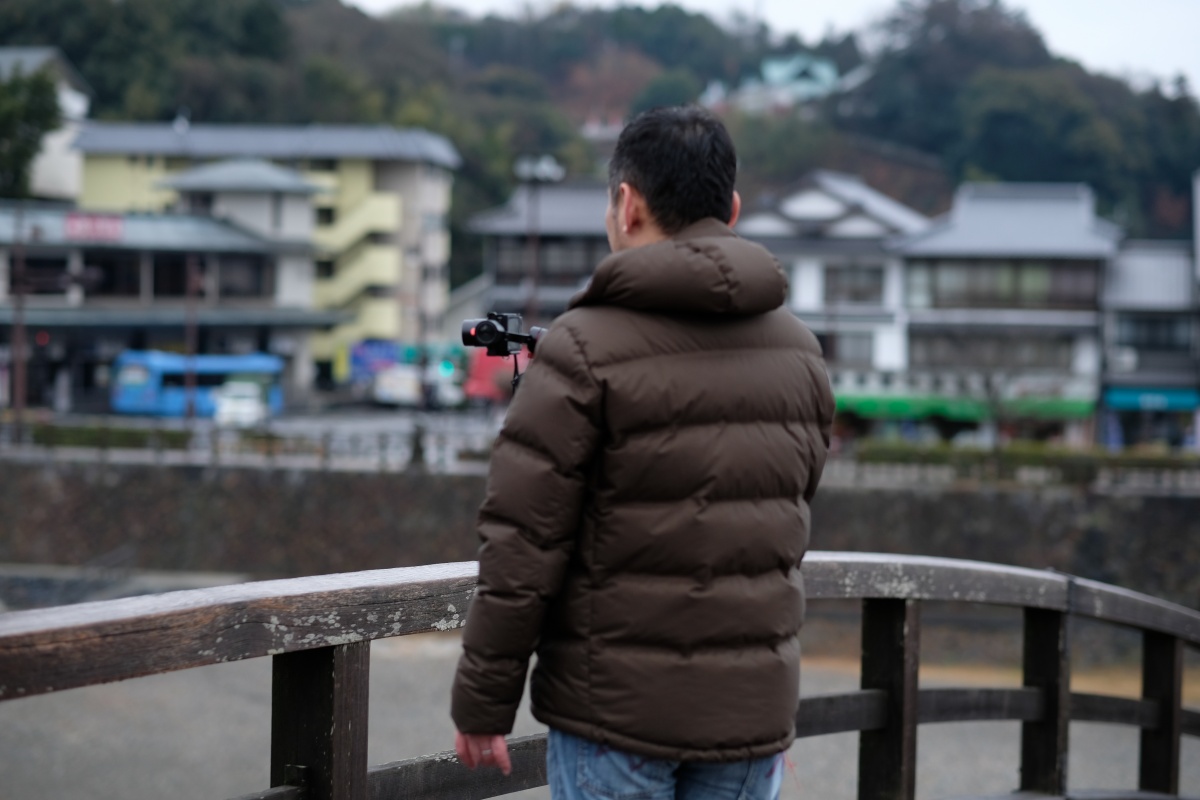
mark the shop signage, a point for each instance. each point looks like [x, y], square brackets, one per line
[1151, 399]
[94, 227]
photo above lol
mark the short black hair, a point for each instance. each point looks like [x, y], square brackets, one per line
[682, 160]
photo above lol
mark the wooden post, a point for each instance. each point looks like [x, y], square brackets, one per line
[1162, 682]
[887, 757]
[319, 720]
[1047, 665]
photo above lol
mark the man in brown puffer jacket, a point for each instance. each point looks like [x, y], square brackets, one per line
[647, 503]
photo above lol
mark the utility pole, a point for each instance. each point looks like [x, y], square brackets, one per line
[18, 332]
[189, 375]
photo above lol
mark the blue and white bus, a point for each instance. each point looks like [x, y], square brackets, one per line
[154, 383]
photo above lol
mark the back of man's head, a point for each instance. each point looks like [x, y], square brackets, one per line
[682, 161]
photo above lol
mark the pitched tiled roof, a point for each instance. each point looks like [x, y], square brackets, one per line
[44, 224]
[1029, 220]
[575, 208]
[241, 175]
[379, 142]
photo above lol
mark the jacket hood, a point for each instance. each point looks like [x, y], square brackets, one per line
[704, 269]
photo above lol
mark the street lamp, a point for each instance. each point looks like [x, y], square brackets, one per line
[534, 171]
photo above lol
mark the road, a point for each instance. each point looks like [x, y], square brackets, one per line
[205, 734]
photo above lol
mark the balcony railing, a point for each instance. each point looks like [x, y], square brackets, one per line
[318, 632]
[378, 213]
[366, 266]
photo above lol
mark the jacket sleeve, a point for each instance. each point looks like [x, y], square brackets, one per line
[528, 525]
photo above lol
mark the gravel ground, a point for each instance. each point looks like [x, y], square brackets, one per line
[205, 734]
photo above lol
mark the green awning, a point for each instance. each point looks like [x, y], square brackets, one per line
[961, 409]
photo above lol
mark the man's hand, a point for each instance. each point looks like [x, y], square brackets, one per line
[482, 750]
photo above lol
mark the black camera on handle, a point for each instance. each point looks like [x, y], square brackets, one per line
[500, 333]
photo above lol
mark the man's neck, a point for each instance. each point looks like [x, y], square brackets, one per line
[647, 235]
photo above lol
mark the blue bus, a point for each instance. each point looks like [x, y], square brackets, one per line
[155, 383]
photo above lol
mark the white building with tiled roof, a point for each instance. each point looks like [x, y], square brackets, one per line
[830, 234]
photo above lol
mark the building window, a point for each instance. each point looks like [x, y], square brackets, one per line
[276, 211]
[854, 285]
[325, 268]
[919, 286]
[326, 215]
[561, 262]
[432, 222]
[118, 273]
[244, 276]
[569, 256]
[989, 352]
[43, 274]
[1002, 284]
[323, 164]
[510, 260]
[848, 349]
[170, 275]
[1154, 333]
[200, 203]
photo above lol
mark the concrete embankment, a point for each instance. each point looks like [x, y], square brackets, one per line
[269, 523]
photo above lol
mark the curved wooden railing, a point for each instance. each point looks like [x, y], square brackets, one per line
[318, 630]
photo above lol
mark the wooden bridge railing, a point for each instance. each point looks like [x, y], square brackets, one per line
[318, 631]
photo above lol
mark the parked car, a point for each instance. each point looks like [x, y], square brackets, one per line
[404, 385]
[239, 404]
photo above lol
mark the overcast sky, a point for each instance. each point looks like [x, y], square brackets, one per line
[1140, 38]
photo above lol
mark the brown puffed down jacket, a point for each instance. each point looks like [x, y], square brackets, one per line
[647, 510]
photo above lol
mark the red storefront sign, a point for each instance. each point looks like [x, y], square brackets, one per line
[94, 227]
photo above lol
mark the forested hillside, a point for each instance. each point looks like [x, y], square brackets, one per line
[951, 90]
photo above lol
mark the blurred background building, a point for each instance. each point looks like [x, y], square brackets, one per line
[1020, 314]
[381, 197]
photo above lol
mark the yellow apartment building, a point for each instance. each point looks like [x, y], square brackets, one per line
[380, 234]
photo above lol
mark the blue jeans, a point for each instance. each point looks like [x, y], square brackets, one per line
[579, 769]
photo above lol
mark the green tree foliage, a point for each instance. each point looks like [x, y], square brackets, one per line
[774, 152]
[672, 88]
[28, 111]
[932, 50]
[972, 82]
[1039, 125]
[135, 54]
[680, 39]
[1170, 141]
[333, 93]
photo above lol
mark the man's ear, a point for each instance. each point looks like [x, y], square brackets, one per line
[737, 209]
[632, 213]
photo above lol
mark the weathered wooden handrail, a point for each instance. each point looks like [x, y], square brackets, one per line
[318, 630]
